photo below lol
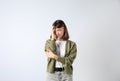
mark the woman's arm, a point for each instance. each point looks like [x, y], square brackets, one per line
[69, 58]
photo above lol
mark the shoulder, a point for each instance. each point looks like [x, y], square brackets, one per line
[70, 41]
[49, 40]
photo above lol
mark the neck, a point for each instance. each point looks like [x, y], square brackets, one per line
[59, 39]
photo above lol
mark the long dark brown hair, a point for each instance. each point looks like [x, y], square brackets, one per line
[59, 24]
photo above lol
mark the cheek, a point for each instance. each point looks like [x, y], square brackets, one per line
[57, 33]
[62, 32]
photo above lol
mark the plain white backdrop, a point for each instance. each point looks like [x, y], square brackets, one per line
[25, 25]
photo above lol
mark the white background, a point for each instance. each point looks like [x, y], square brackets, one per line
[93, 24]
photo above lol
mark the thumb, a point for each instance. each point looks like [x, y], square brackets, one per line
[48, 50]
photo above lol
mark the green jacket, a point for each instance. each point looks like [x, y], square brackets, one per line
[67, 60]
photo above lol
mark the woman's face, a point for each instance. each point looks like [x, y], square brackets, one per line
[59, 33]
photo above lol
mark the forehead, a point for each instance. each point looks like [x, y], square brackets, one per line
[61, 28]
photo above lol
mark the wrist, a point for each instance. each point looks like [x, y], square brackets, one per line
[52, 39]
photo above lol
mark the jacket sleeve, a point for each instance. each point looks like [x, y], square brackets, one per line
[50, 44]
[69, 58]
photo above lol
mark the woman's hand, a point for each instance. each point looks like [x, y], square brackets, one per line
[53, 34]
[50, 54]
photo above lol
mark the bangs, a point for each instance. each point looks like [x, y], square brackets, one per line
[59, 24]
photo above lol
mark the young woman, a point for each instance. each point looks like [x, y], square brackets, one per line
[61, 53]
